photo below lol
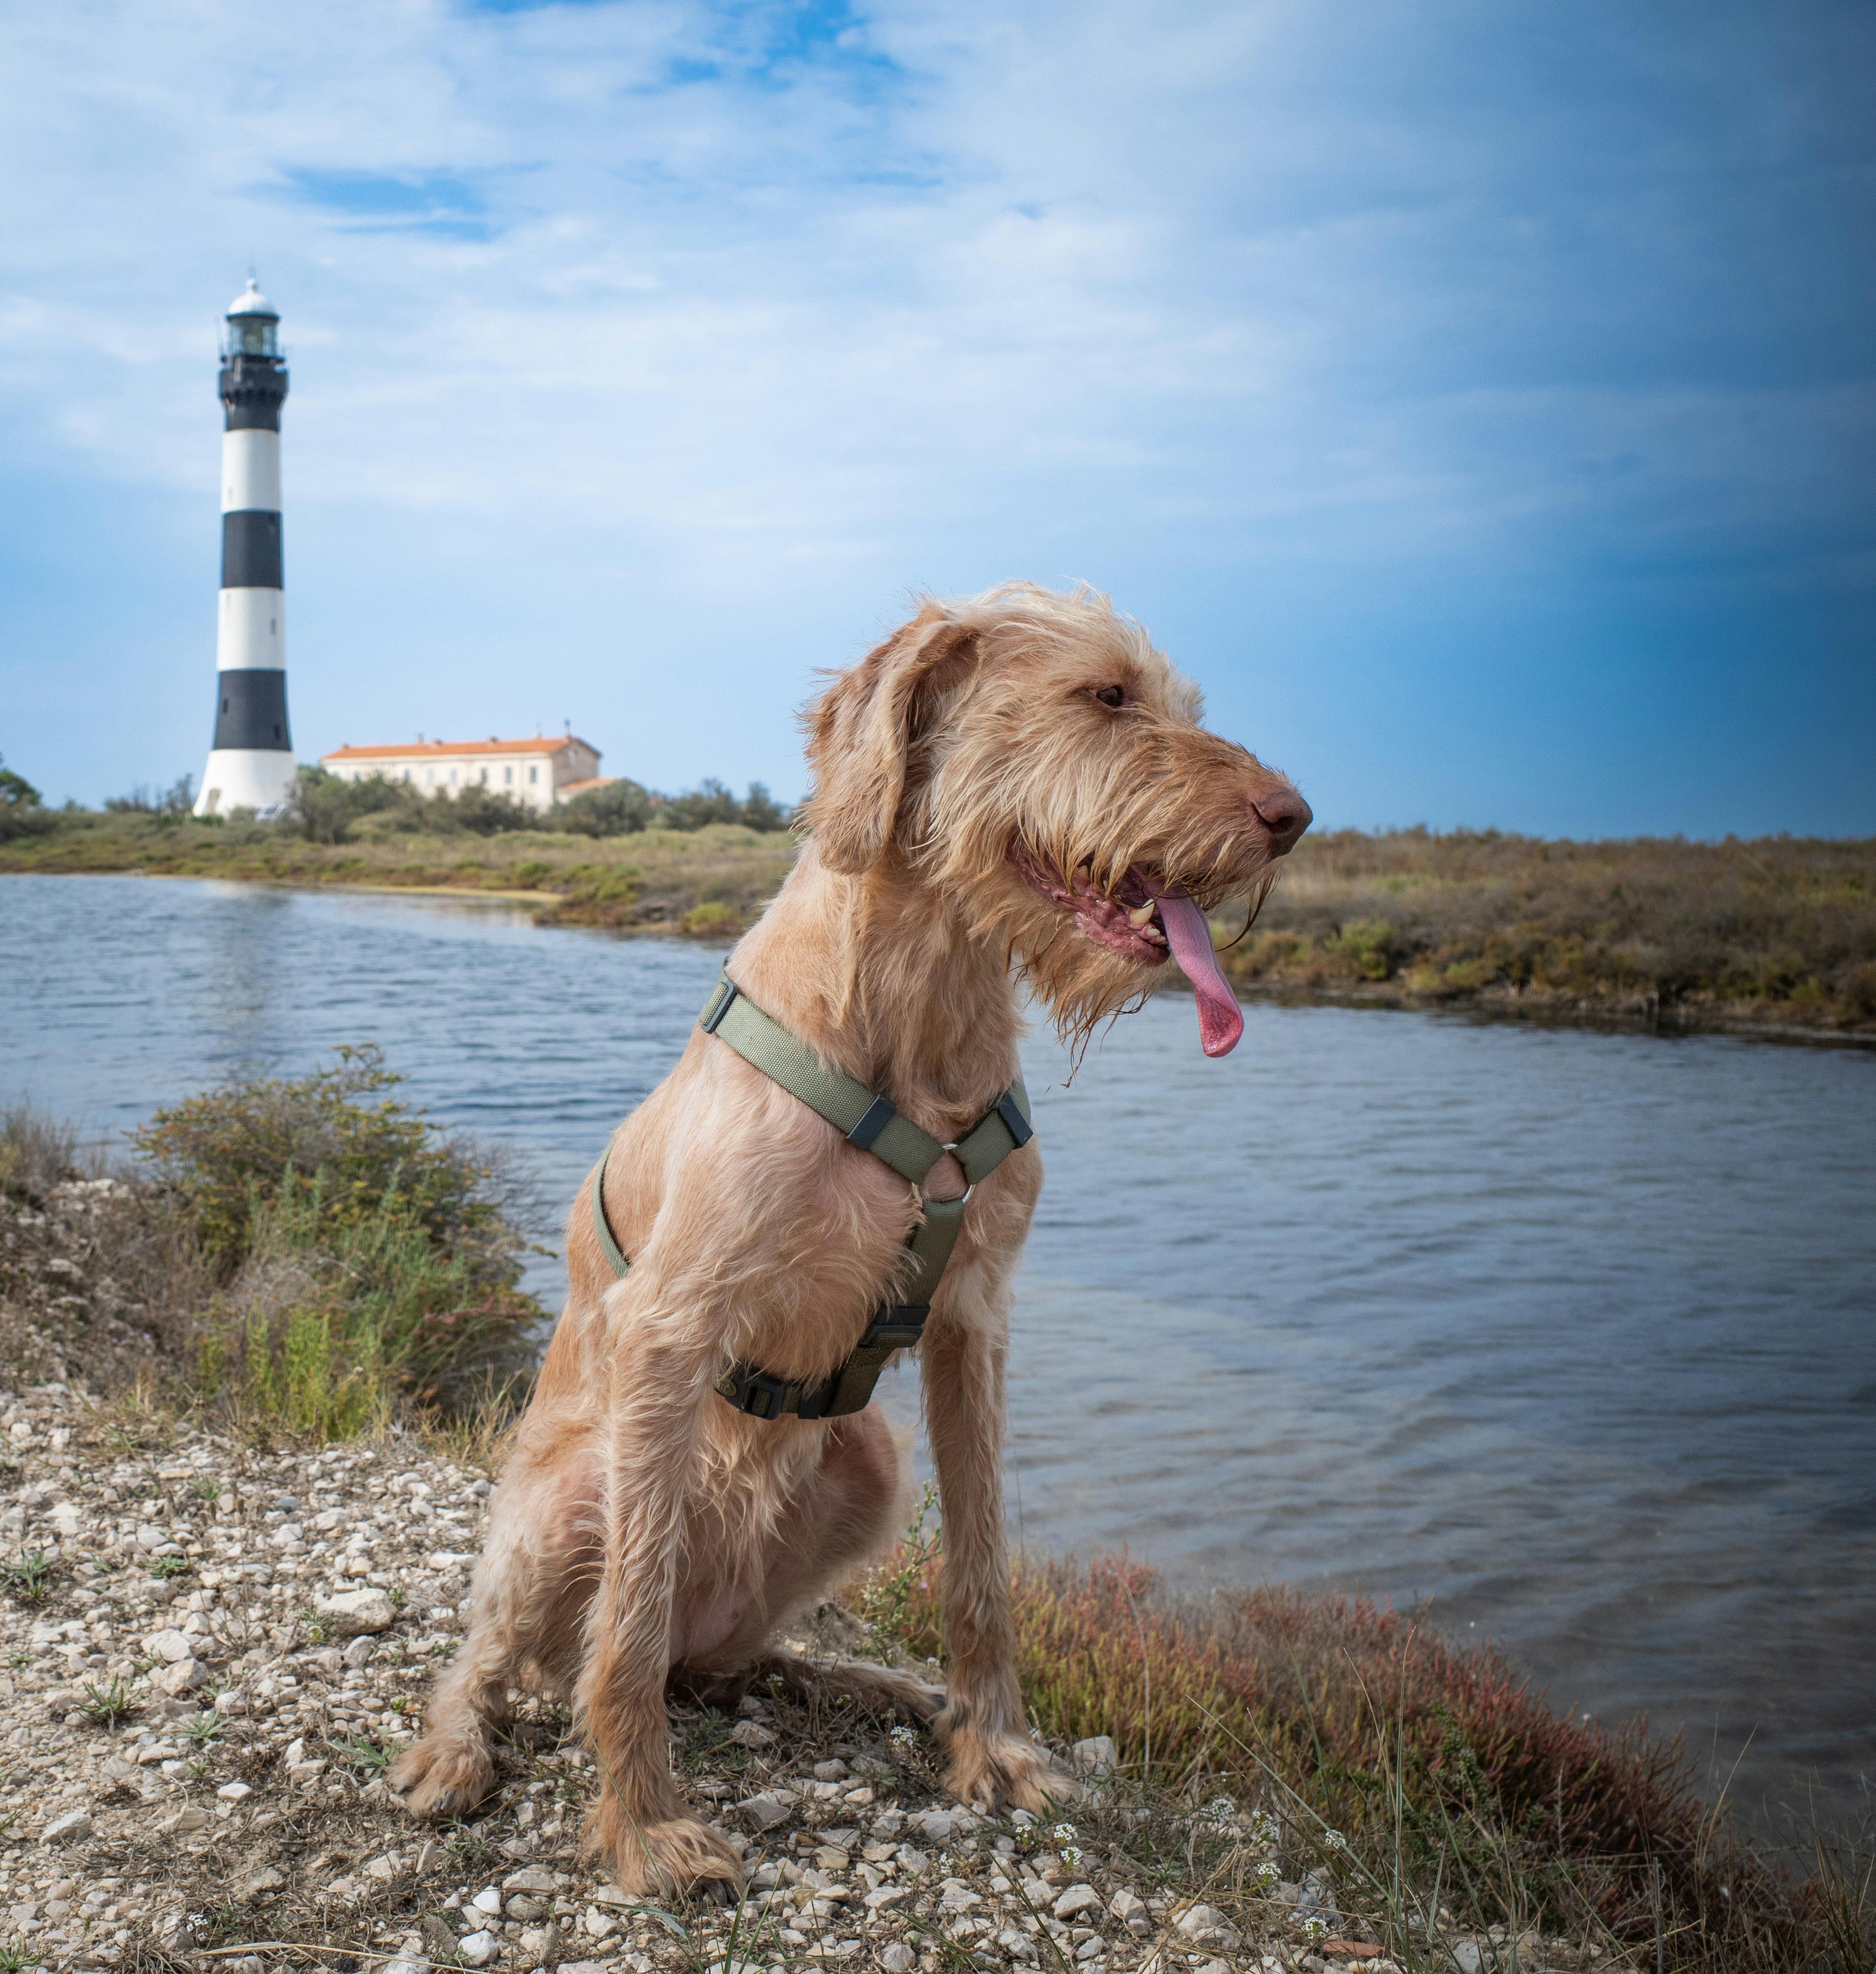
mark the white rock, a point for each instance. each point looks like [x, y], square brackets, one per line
[172, 1645]
[183, 1675]
[751, 1734]
[1130, 1910]
[478, 1950]
[830, 1771]
[1095, 1756]
[1207, 1926]
[359, 1651]
[233, 1791]
[1077, 1899]
[72, 1827]
[530, 1878]
[897, 1958]
[354, 1613]
[489, 1899]
[406, 1964]
[191, 1816]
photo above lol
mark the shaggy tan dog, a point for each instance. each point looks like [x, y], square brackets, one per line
[1012, 788]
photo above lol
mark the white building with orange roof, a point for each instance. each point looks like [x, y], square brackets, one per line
[537, 773]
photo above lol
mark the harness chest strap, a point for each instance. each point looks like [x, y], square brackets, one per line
[869, 1123]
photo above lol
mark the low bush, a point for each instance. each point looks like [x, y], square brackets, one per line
[361, 1262]
[229, 1148]
[712, 802]
[617, 809]
[22, 812]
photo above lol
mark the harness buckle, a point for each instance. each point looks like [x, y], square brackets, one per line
[879, 1113]
[898, 1326]
[1014, 1121]
[711, 1019]
[755, 1392]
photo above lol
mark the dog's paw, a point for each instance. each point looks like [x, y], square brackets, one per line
[665, 1860]
[440, 1777]
[999, 1772]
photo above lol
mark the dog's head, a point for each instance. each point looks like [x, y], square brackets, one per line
[1032, 757]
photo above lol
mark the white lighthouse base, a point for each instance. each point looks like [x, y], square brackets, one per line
[262, 781]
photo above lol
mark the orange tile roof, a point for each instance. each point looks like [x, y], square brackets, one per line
[442, 749]
[592, 782]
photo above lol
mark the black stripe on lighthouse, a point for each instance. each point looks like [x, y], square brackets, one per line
[251, 710]
[250, 550]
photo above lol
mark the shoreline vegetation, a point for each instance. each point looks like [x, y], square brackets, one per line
[1774, 935]
[256, 1380]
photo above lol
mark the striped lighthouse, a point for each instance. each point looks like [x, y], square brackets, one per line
[251, 765]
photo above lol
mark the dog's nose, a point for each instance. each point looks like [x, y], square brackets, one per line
[1286, 815]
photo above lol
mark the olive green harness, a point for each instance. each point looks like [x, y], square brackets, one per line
[870, 1123]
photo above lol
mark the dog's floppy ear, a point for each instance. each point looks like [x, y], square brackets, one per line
[860, 731]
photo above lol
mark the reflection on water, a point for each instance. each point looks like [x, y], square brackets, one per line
[1570, 1333]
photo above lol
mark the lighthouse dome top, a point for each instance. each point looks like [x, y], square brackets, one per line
[251, 301]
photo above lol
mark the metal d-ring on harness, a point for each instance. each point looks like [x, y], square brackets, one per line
[870, 1123]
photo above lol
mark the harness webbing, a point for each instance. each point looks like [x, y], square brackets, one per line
[870, 1123]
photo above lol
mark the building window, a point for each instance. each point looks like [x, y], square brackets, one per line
[508, 777]
[430, 776]
[533, 774]
[452, 778]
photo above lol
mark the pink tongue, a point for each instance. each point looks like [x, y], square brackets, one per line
[1221, 1019]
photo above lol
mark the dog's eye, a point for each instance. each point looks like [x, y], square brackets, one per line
[1110, 695]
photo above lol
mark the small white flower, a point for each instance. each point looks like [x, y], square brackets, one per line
[1314, 1926]
[903, 1737]
[1334, 1840]
[1064, 1833]
[1267, 1873]
[1072, 1855]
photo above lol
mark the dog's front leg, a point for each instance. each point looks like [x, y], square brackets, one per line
[639, 1821]
[994, 1762]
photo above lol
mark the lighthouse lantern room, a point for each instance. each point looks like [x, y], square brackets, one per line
[250, 764]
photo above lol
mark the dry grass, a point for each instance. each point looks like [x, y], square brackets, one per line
[710, 881]
[1781, 930]
[1778, 933]
[1417, 1776]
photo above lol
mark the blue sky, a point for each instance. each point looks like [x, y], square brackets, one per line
[1477, 399]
